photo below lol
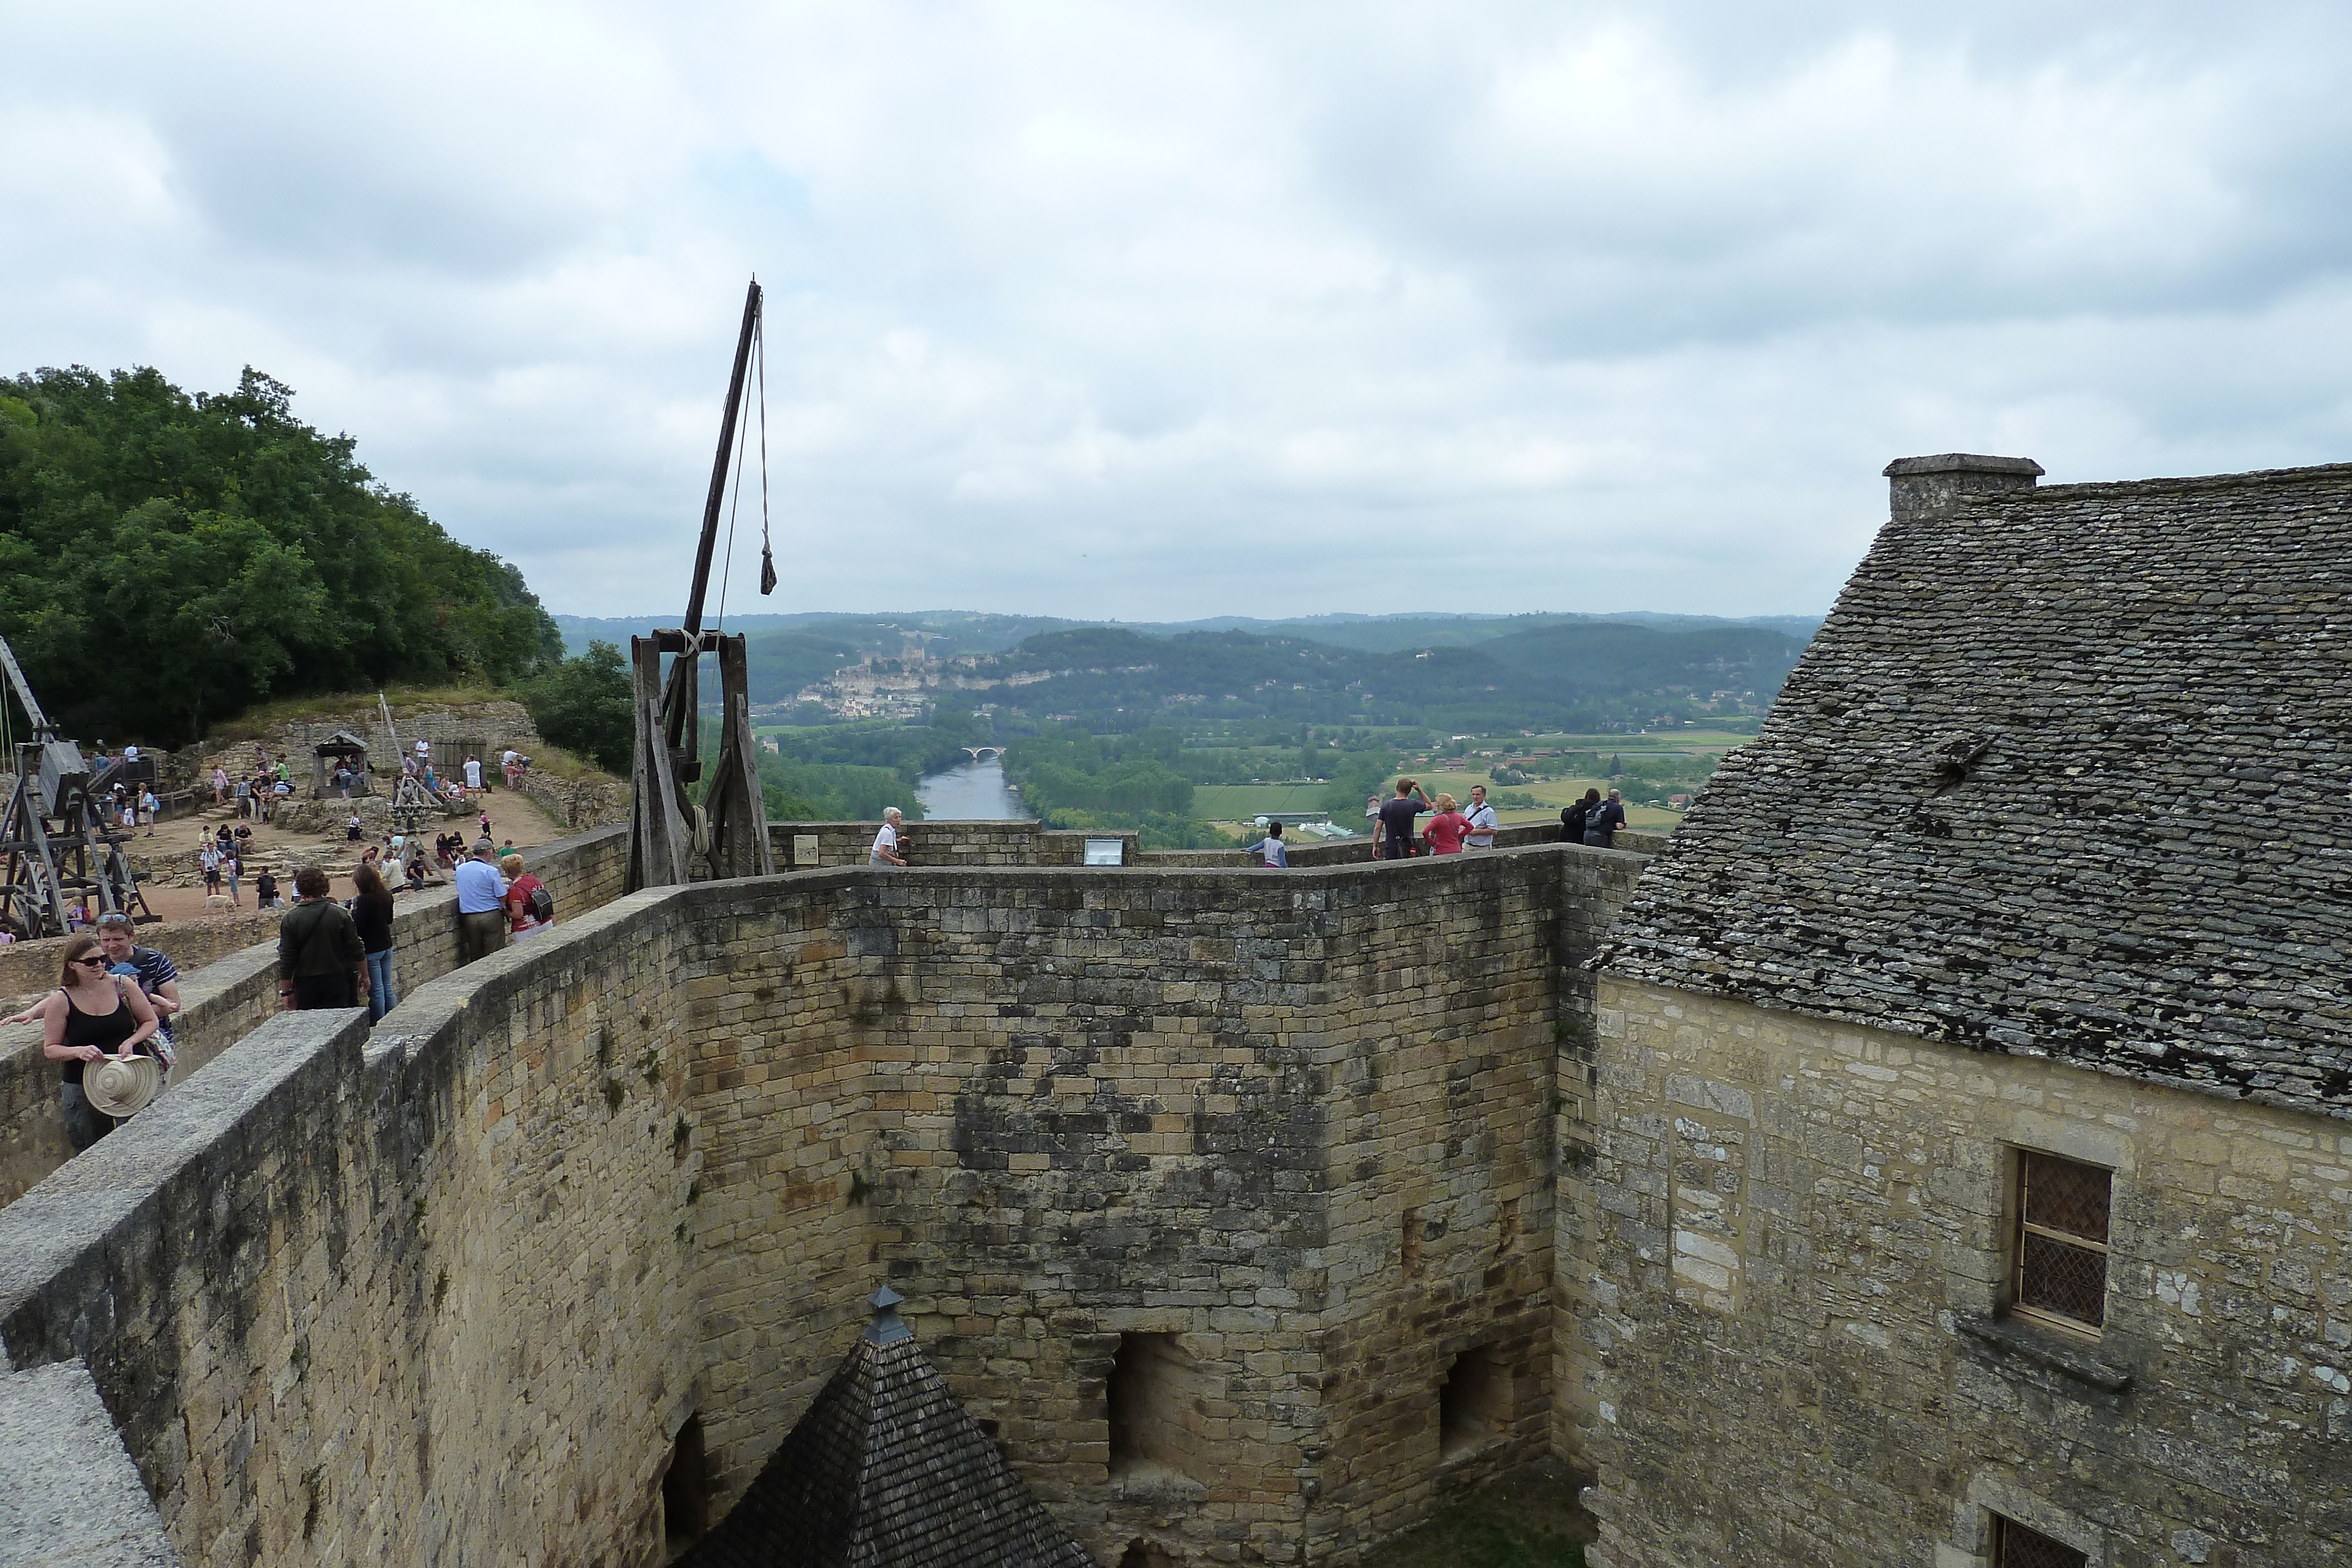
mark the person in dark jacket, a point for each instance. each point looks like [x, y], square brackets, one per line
[371, 914]
[1601, 821]
[1572, 820]
[1397, 819]
[319, 951]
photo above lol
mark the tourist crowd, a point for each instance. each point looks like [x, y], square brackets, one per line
[108, 1024]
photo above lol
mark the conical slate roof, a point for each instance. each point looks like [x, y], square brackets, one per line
[887, 1470]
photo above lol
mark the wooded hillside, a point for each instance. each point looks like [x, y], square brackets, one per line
[167, 559]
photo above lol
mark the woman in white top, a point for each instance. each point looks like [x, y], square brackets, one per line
[885, 842]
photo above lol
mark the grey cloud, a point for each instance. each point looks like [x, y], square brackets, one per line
[1163, 310]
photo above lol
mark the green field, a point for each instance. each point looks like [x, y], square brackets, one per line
[1558, 792]
[1240, 802]
[1663, 743]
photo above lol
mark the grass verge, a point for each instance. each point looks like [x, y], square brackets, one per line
[1528, 1519]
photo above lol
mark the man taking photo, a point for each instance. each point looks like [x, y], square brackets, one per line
[1396, 821]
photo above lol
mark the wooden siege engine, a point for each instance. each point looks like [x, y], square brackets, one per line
[673, 837]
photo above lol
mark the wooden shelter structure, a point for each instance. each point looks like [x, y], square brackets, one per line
[673, 837]
[343, 748]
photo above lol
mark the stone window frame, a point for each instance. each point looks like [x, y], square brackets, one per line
[1987, 1283]
[1976, 1527]
[2018, 1227]
[1493, 1399]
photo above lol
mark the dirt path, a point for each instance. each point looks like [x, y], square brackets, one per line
[513, 816]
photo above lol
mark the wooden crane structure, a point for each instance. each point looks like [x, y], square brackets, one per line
[58, 843]
[672, 837]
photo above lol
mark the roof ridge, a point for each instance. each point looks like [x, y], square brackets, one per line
[2161, 485]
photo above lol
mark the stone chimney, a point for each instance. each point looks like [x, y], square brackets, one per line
[1922, 487]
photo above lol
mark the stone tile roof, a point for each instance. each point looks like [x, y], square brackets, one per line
[2065, 772]
[887, 1470]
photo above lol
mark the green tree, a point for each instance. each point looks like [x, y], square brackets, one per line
[587, 706]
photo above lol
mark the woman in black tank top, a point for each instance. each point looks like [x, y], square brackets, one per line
[90, 1015]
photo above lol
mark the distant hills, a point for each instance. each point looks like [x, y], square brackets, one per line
[1481, 672]
[1587, 675]
[953, 632]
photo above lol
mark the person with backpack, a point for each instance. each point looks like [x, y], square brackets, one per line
[1601, 821]
[1572, 820]
[319, 959]
[531, 908]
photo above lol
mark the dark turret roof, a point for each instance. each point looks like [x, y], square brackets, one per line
[2067, 771]
[887, 1470]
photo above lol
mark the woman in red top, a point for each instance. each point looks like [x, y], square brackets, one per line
[520, 886]
[1444, 832]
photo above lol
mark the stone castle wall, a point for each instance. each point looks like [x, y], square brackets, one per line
[403, 1299]
[1306, 853]
[469, 1278]
[1795, 1283]
[807, 846]
[455, 729]
[1058, 1109]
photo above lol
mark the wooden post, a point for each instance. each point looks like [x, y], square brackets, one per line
[738, 814]
[659, 845]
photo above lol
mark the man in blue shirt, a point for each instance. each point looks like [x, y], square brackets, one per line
[481, 904]
[157, 976]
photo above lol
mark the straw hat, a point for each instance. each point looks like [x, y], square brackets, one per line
[120, 1088]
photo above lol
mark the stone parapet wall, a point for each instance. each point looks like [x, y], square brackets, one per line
[577, 804]
[410, 1298]
[491, 727]
[463, 1282]
[1306, 852]
[29, 968]
[227, 999]
[938, 844]
[1804, 1252]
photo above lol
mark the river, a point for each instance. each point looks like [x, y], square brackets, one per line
[973, 792]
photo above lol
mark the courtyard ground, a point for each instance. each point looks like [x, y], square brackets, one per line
[1529, 1519]
[511, 816]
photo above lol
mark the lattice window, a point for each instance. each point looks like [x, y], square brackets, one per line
[2017, 1546]
[2061, 1241]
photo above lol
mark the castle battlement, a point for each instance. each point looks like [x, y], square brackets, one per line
[1289, 1141]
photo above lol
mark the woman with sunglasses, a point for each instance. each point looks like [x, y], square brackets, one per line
[92, 1014]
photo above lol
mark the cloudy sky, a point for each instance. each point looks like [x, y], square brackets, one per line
[1167, 310]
